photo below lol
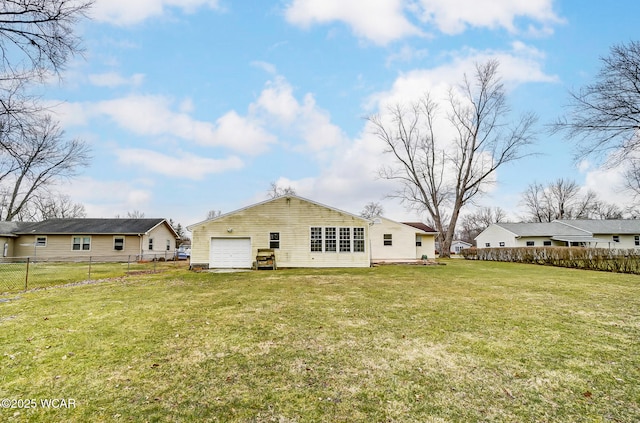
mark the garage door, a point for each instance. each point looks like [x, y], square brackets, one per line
[228, 253]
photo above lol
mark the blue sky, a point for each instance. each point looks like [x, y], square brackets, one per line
[194, 105]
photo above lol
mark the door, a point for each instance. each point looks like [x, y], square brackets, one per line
[230, 253]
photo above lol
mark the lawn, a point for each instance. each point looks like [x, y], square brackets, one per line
[465, 342]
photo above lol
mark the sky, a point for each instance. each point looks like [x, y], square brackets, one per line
[198, 105]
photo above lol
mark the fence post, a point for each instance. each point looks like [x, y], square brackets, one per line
[89, 268]
[128, 264]
[26, 278]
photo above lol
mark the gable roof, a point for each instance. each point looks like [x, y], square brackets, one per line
[614, 226]
[93, 226]
[222, 216]
[421, 226]
[547, 229]
[8, 229]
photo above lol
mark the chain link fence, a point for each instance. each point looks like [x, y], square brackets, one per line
[19, 274]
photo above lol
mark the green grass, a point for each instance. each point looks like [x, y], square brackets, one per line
[465, 342]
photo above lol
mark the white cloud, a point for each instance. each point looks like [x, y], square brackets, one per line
[178, 164]
[522, 64]
[455, 16]
[305, 120]
[128, 12]
[149, 115]
[383, 21]
[114, 79]
[124, 196]
[380, 21]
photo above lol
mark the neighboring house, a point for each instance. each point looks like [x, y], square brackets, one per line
[301, 232]
[400, 241]
[458, 245]
[8, 237]
[113, 239]
[587, 233]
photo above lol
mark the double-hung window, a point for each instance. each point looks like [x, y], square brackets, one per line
[345, 240]
[81, 243]
[316, 240]
[330, 240]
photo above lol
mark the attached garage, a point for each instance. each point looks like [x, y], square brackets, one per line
[230, 253]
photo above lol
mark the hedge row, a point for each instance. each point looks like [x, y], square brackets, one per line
[603, 259]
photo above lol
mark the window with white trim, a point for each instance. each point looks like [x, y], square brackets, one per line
[616, 238]
[274, 240]
[150, 244]
[337, 239]
[316, 239]
[118, 243]
[41, 241]
[168, 245]
[330, 245]
[345, 240]
[636, 240]
[81, 243]
[358, 240]
[387, 239]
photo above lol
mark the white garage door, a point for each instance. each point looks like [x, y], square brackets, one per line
[228, 253]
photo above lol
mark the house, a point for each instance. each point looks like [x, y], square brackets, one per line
[400, 241]
[302, 233]
[458, 245]
[112, 239]
[8, 237]
[588, 233]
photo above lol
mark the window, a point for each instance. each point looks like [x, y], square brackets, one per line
[118, 243]
[274, 239]
[501, 243]
[345, 240]
[330, 240]
[387, 239]
[168, 245]
[81, 243]
[487, 244]
[316, 239]
[547, 243]
[530, 243]
[637, 240]
[150, 244]
[41, 241]
[358, 240]
[616, 238]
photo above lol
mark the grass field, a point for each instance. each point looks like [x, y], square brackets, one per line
[466, 342]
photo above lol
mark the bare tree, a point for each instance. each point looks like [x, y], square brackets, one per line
[50, 205]
[38, 156]
[605, 116]
[472, 224]
[276, 191]
[38, 35]
[440, 176]
[372, 210]
[212, 214]
[564, 199]
[135, 214]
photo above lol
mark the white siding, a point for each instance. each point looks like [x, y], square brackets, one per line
[403, 241]
[494, 235]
